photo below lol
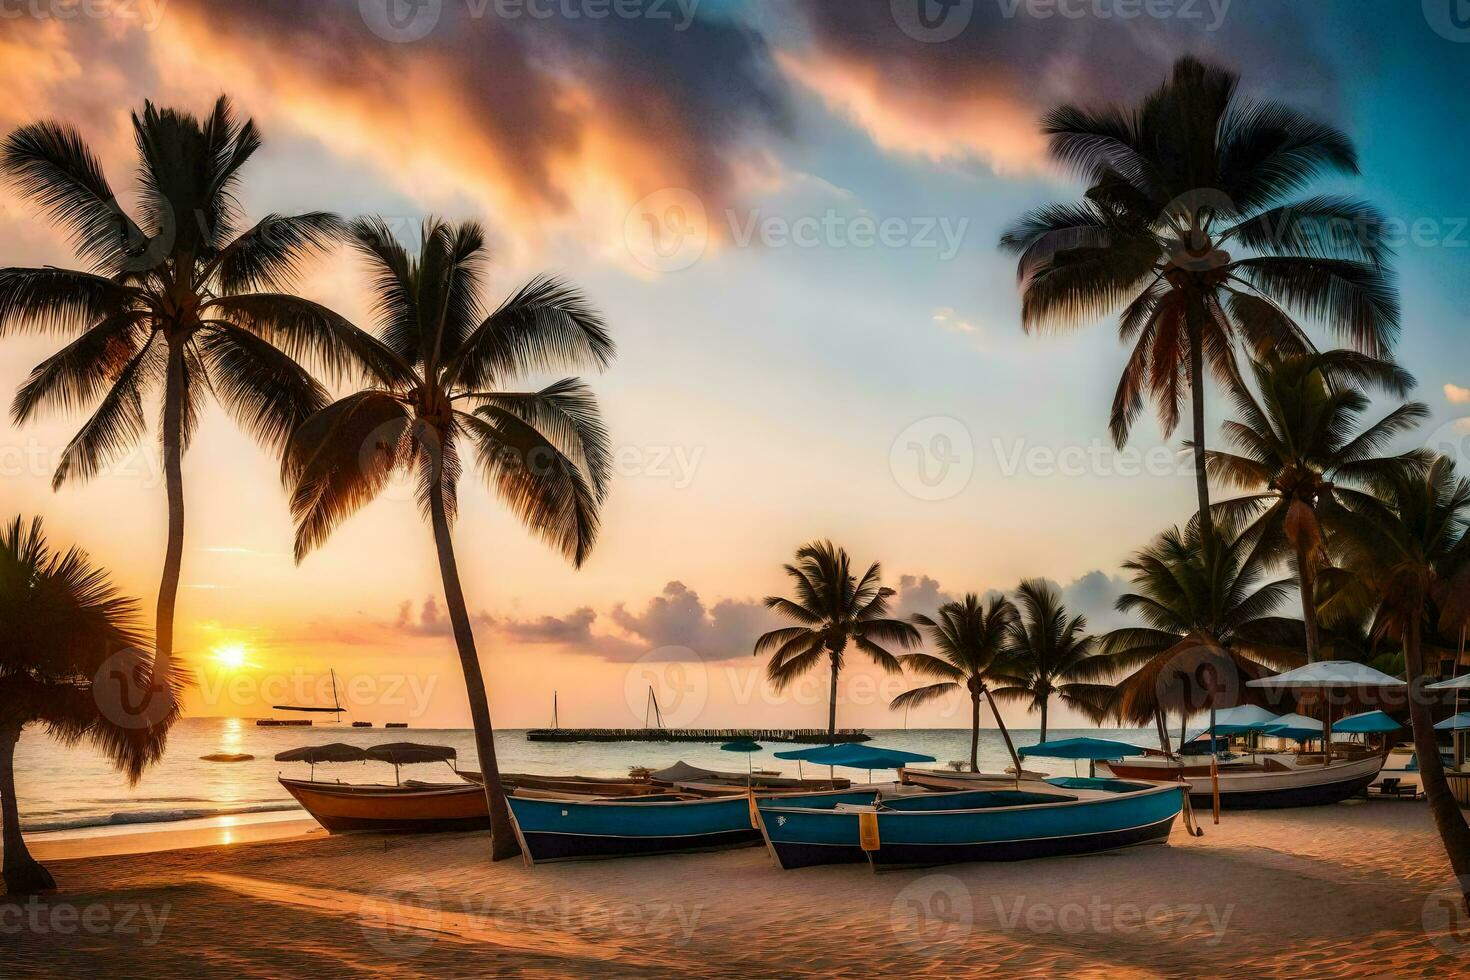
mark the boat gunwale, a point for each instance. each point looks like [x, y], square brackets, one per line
[1152, 789]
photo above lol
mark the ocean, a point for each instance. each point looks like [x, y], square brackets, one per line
[67, 789]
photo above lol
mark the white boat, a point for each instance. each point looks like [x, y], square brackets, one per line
[1285, 781]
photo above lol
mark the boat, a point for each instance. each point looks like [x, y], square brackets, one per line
[1286, 781]
[396, 724]
[949, 779]
[414, 807]
[1154, 765]
[283, 722]
[404, 807]
[1060, 815]
[362, 724]
[666, 823]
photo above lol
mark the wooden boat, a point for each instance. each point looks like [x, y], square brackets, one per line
[418, 807]
[948, 779]
[561, 830]
[1063, 815]
[1286, 781]
[1162, 768]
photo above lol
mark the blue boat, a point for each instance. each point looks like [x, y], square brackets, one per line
[563, 830]
[1065, 815]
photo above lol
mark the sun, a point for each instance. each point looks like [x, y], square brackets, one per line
[231, 656]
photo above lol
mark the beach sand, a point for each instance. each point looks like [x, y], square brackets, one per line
[1347, 890]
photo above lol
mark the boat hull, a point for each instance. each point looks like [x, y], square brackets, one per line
[1303, 786]
[391, 809]
[566, 830]
[1009, 826]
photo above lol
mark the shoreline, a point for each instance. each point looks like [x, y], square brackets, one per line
[147, 838]
[1265, 893]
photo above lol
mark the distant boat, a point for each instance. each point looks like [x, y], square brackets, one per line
[362, 724]
[1063, 815]
[396, 724]
[283, 722]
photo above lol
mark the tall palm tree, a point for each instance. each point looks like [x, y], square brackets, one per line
[441, 372]
[833, 609]
[64, 623]
[1296, 442]
[1209, 626]
[183, 299]
[970, 637]
[1186, 227]
[1407, 539]
[1049, 653]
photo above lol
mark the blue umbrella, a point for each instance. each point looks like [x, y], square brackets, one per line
[1459, 721]
[746, 745]
[855, 756]
[1087, 748]
[1081, 748]
[1367, 723]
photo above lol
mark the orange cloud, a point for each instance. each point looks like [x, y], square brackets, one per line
[909, 119]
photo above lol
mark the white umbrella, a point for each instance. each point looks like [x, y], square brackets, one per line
[1324, 675]
[1245, 714]
[1329, 673]
[1455, 684]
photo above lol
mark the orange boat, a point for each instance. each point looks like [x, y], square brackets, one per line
[418, 807]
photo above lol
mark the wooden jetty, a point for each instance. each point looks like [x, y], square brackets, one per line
[816, 736]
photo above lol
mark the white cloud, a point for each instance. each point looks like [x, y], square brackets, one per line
[1457, 395]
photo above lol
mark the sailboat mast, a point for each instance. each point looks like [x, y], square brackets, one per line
[555, 723]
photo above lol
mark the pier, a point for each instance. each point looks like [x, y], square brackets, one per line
[818, 736]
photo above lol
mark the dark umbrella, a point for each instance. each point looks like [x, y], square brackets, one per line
[331, 752]
[410, 753]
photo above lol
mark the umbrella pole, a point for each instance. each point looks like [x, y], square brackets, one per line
[1327, 732]
[1214, 767]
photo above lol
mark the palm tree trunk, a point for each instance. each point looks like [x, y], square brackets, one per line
[1043, 718]
[23, 874]
[173, 556]
[503, 842]
[1197, 405]
[1307, 584]
[1447, 817]
[974, 733]
[1163, 733]
[832, 702]
[1004, 733]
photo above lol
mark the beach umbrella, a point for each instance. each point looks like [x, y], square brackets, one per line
[1299, 728]
[1453, 684]
[1087, 748]
[1323, 676]
[748, 746]
[1459, 721]
[855, 756]
[1367, 723]
[330, 752]
[410, 753]
[1242, 719]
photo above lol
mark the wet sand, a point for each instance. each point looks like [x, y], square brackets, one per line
[1347, 890]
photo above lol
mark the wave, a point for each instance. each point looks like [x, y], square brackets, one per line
[132, 817]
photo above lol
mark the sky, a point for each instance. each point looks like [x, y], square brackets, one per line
[788, 213]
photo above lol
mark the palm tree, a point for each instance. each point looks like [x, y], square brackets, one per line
[1407, 539]
[441, 371]
[180, 299]
[1192, 172]
[1050, 653]
[1296, 442]
[970, 637]
[64, 623]
[1209, 626]
[833, 609]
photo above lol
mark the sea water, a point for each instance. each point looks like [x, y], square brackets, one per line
[69, 788]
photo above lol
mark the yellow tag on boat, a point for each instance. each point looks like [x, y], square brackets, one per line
[868, 830]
